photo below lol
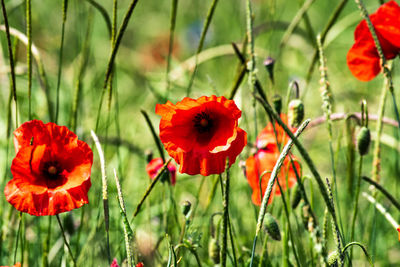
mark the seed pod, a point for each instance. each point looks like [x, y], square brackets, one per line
[363, 140]
[295, 112]
[277, 101]
[269, 65]
[296, 196]
[185, 207]
[333, 258]
[272, 227]
[213, 250]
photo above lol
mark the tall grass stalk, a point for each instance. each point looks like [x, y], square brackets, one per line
[174, 10]
[29, 54]
[271, 182]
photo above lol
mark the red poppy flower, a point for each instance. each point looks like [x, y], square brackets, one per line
[156, 164]
[140, 264]
[398, 230]
[51, 171]
[201, 133]
[114, 263]
[264, 161]
[15, 265]
[363, 58]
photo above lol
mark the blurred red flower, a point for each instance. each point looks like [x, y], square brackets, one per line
[201, 133]
[140, 264]
[156, 164]
[51, 171]
[15, 265]
[114, 263]
[363, 58]
[264, 160]
[398, 230]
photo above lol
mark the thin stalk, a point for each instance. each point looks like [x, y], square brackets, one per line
[153, 133]
[295, 22]
[29, 54]
[128, 233]
[113, 54]
[104, 191]
[272, 180]
[60, 56]
[225, 213]
[172, 24]
[362, 247]
[46, 246]
[65, 239]
[206, 25]
[151, 186]
[383, 191]
[331, 21]
[17, 238]
[356, 197]
[232, 240]
[103, 13]
[11, 59]
[382, 210]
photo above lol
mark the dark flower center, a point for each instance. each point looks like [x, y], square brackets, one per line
[52, 170]
[202, 122]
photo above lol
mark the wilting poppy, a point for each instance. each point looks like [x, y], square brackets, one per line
[264, 160]
[201, 133]
[363, 58]
[51, 171]
[156, 164]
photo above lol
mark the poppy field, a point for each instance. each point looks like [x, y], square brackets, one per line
[200, 133]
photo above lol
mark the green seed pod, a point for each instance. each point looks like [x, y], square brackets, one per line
[277, 101]
[272, 227]
[296, 196]
[213, 250]
[185, 207]
[363, 140]
[295, 112]
[333, 258]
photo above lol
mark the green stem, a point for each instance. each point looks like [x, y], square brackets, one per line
[383, 191]
[60, 56]
[29, 54]
[151, 186]
[153, 133]
[113, 54]
[11, 59]
[174, 9]
[65, 239]
[362, 247]
[225, 213]
[206, 25]
[274, 174]
[353, 224]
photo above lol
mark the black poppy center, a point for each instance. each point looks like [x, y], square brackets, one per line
[52, 170]
[202, 122]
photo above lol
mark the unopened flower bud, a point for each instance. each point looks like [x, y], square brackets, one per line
[148, 154]
[296, 196]
[185, 207]
[269, 65]
[333, 258]
[363, 140]
[277, 101]
[213, 250]
[295, 112]
[272, 227]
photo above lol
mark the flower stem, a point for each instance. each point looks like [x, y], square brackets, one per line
[151, 186]
[206, 25]
[153, 133]
[174, 9]
[356, 197]
[225, 202]
[384, 191]
[273, 177]
[65, 239]
[60, 56]
[29, 54]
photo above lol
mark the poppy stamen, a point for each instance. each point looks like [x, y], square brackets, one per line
[202, 122]
[52, 170]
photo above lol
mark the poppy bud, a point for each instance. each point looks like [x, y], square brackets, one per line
[277, 101]
[333, 258]
[295, 112]
[363, 140]
[296, 196]
[213, 250]
[148, 154]
[185, 207]
[272, 227]
[269, 65]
